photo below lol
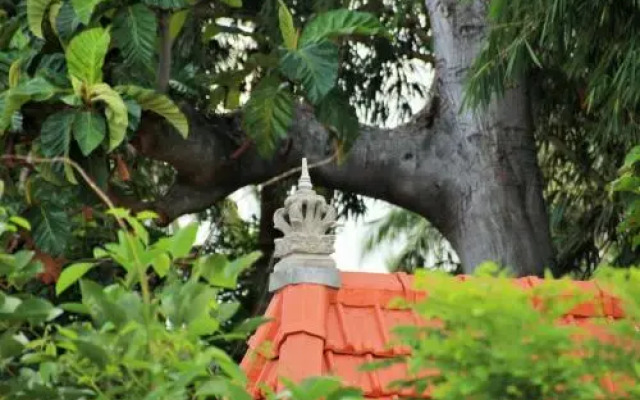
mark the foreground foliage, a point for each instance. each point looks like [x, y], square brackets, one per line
[490, 339]
[127, 339]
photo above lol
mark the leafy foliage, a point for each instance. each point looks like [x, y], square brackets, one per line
[150, 100]
[134, 31]
[269, 113]
[581, 58]
[487, 340]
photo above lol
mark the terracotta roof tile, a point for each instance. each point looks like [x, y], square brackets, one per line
[316, 330]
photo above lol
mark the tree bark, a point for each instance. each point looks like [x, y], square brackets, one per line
[473, 174]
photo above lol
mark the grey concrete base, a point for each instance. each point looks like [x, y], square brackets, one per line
[294, 275]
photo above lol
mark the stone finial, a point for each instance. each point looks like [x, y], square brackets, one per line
[306, 248]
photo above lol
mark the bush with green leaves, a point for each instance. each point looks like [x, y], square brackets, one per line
[128, 340]
[490, 339]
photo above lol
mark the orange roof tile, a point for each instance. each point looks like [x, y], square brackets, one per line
[316, 330]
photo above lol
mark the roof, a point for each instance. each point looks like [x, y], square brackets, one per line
[316, 330]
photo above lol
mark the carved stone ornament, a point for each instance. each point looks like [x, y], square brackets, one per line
[306, 248]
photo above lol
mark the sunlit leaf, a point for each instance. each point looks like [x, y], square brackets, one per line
[158, 103]
[268, 114]
[134, 31]
[315, 65]
[71, 274]
[341, 22]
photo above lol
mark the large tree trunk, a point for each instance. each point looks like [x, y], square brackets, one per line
[473, 174]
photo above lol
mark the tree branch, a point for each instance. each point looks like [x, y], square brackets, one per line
[401, 165]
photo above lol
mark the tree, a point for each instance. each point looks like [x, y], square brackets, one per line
[471, 171]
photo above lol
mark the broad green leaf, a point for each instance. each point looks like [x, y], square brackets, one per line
[250, 325]
[16, 220]
[55, 135]
[181, 242]
[51, 229]
[340, 22]
[36, 10]
[315, 65]
[158, 103]
[210, 31]
[287, 29]
[54, 11]
[11, 101]
[219, 272]
[314, 388]
[632, 157]
[89, 130]
[84, 9]
[336, 113]
[14, 73]
[161, 265]
[95, 353]
[167, 4]
[37, 310]
[71, 275]
[85, 55]
[268, 114]
[101, 308]
[134, 32]
[116, 112]
[10, 345]
[7, 31]
[67, 22]
[232, 100]
[177, 23]
[233, 3]
[222, 387]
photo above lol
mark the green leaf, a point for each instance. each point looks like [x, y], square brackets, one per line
[85, 55]
[35, 14]
[71, 275]
[10, 345]
[268, 114]
[161, 265]
[67, 21]
[84, 9]
[219, 272]
[158, 103]
[233, 3]
[315, 65]
[93, 352]
[51, 229]
[222, 387]
[37, 310]
[181, 242]
[89, 130]
[632, 157]
[116, 112]
[134, 31]
[166, 4]
[340, 22]
[101, 308]
[55, 135]
[38, 89]
[336, 113]
[177, 23]
[314, 388]
[287, 29]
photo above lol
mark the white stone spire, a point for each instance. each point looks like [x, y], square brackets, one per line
[306, 248]
[304, 183]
